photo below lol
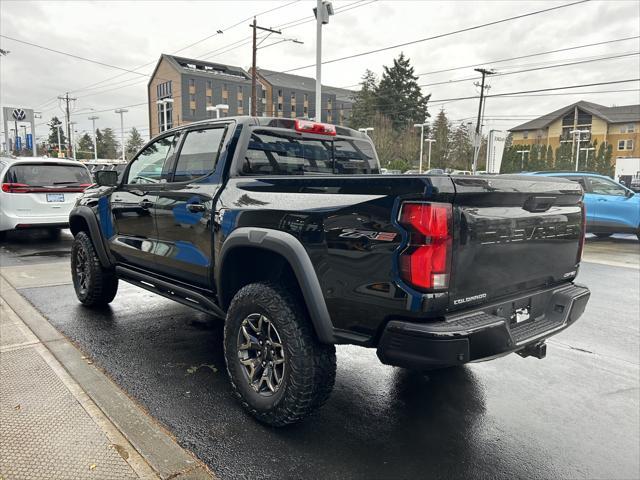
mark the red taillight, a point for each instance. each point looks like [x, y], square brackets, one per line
[15, 188]
[23, 188]
[308, 126]
[582, 233]
[426, 261]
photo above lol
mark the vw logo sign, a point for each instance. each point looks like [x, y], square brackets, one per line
[19, 114]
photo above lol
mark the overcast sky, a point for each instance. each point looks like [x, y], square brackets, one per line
[129, 34]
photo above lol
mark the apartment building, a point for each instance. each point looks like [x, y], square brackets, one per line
[293, 96]
[618, 126]
[181, 89]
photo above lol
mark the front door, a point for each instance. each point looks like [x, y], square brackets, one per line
[133, 203]
[184, 208]
[614, 206]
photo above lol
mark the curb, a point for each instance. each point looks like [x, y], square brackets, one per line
[159, 449]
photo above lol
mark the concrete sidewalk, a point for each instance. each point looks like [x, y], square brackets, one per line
[60, 417]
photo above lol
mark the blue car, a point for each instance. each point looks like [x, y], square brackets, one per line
[611, 207]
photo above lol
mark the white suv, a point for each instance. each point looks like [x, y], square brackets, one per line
[39, 192]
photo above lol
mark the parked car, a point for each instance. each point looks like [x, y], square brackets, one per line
[435, 171]
[412, 172]
[611, 207]
[39, 192]
[460, 172]
[286, 230]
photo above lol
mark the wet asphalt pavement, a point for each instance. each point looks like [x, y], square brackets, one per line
[574, 414]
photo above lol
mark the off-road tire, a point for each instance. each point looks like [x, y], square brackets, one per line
[310, 366]
[101, 285]
[603, 235]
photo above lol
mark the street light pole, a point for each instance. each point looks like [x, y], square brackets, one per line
[421, 126]
[73, 139]
[586, 156]
[322, 11]
[430, 140]
[579, 132]
[122, 111]
[522, 161]
[93, 119]
[59, 141]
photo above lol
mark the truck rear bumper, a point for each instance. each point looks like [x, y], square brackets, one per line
[484, 333]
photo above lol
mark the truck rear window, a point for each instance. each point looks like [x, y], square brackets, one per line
[47, 174]
[272, 152]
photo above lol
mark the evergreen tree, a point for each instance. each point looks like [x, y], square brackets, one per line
[461, 148]
[399, 96]
[509, 159]
[53, 134]
[364, 107]
[85, 147]
[564, 157]
[549, 163]
[440, 132]
[602, 162]
[134, 143]
[107, 144]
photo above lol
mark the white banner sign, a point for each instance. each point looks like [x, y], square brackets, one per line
[495, 150]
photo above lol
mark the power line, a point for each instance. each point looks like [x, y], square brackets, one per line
[611, 57]
[442, 35]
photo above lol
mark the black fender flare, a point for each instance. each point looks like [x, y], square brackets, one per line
[293, 252]
[89, 217]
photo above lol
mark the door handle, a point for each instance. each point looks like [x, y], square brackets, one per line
[146, 204]
[195, 207]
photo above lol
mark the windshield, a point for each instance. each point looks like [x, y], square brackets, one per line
[278, 152]
[46, 174]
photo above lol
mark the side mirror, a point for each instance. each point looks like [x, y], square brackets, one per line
[107, 178]
[629, 194]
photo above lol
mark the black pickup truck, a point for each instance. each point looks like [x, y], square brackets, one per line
[287, 230]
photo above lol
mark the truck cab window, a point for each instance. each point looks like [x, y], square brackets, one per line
[147, 167]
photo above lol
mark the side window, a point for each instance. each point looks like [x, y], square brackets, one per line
[147, 167]
[579, 180]
[354, 157]
[602, 186]
[199, 154]
[275, 153]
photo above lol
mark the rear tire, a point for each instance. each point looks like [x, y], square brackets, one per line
[95, 286]
[603, 235]
[290, 374]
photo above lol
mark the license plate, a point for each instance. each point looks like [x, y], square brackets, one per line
[55, 197]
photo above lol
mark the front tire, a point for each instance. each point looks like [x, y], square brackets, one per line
[278, 368]
[95, 286]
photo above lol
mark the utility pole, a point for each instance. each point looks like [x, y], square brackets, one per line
[93, 119]
[122, 111]
[254, 74]
[478, 140]
[68, 99]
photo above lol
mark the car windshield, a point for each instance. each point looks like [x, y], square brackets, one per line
[47, 174]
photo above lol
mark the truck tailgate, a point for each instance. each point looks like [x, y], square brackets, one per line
[512, 234]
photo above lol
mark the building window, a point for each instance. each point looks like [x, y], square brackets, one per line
[209, 100]
[209, 84]
[192, 82]
[306, 97]
[279, 93]
[625, 144]
[193, 112]
[280, 107]
[293, 96]
[293, 109]
[163, 90]
[525, 134]
[239, 103]
[629, 128]
[192, 98]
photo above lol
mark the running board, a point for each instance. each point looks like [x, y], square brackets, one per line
[183, 295]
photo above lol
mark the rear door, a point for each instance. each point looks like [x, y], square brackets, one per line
[133, 203]
[184, 207]
[513, 234]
